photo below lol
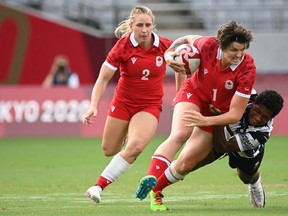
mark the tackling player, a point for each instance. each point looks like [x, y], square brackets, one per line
[225, 79]
[243, 142]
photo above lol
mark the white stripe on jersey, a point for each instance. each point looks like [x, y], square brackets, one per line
[248, 137]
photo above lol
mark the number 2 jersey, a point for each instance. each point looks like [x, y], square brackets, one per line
[142, 71]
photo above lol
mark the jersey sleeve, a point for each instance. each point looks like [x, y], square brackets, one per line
[246, 141]
[203, 43]
[113, 58]
[251, 140]
[246, 78]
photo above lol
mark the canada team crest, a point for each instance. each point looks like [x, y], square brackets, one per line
[229, 84]
[159, 61]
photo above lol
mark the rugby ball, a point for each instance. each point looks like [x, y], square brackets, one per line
[189, 55]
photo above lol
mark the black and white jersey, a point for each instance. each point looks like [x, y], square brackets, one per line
[250, 139]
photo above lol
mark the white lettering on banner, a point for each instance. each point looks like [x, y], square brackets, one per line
[5, 115]
[18, 108]
[60, 111]
[73, 111]
[31, 111]
[48, 109]
[47, 112]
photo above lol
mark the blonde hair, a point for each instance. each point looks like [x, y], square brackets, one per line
[124, 28]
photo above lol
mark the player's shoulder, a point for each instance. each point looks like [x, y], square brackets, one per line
[248, 57]
[166, 41]
[248, 63]
[206, 44]
[121, 46]
[207, 40]
[123, 40]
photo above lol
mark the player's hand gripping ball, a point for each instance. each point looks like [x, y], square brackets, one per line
[189, 55]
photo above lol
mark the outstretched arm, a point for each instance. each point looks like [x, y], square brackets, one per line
[220, 143]
[236, 110]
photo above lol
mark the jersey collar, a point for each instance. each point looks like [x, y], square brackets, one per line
[135, 43]
[232, 67]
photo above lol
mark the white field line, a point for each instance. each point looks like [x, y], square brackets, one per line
[113, 198]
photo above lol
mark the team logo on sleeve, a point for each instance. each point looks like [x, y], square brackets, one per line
[159, 61]
[229, 84]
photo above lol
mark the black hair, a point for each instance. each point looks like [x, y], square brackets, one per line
[272, 100]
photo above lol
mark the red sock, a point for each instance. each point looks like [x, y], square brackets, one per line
[162, 182]
[158, 165]
[103, 182]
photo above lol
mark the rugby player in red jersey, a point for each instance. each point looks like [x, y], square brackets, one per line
[225, 79]
[137, 102]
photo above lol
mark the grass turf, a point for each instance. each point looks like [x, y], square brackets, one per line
[50, 177]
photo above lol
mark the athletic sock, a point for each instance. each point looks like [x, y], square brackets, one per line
[113, 171]
[257, 182]
[170, 176]
[158, 165]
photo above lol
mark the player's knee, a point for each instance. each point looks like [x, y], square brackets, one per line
[184, 168]
[110, 151]
[136, 149]
[179, 137]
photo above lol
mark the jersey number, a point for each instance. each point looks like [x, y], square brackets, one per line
[146, 74]
[214, 95]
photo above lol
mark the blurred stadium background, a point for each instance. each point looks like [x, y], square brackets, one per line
[33, 32]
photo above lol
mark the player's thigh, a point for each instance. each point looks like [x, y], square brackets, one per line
[196, 149]
[210, 158]
[178, 128]
[141, 130]
[114, 134]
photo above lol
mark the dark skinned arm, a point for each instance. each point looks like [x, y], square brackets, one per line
[220, 143]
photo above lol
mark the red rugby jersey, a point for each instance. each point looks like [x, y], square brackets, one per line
[141, 71]
[217, 86]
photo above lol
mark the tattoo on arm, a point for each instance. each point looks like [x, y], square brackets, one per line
[178, 42]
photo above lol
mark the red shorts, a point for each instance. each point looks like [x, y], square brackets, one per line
[187, 94]
[126, 111]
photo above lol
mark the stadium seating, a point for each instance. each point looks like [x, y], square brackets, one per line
[261, 15]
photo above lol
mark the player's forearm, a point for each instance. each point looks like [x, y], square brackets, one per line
[220, 143]
[178, 42]
[223, 119]
[187, 39]
[97, 92]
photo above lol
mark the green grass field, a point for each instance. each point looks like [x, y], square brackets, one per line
[50, 177]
